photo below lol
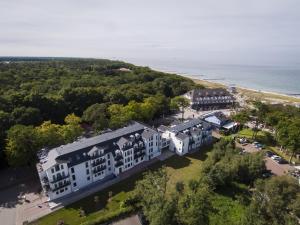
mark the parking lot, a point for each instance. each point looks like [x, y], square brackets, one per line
[272, 165]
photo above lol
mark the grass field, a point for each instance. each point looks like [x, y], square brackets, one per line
[178, 168]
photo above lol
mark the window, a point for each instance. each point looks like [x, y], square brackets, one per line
[74, 184]
[86, 164]
[57, 192]
[57, 168]
[87, 172]
[88, 178]
[66, 189]
[52, 170]
[136, 160]
[53, 177]
[108, 162]
[62, 167]
[61, 190]
[109, 169]
[108, 156]
[55, 185]
[63, 173]
[72, 170]
[73, 177]
[142, 158]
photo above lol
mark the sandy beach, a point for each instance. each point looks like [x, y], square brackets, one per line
[251, 94]
[246, 93]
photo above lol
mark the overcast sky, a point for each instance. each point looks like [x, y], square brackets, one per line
[258, 32]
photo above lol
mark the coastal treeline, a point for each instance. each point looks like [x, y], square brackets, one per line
[103, 93]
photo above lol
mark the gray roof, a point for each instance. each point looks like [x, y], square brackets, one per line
[208, 92]
[147, 133]
[162, 128]
[186, 125]
[74, 151]
[181, 136]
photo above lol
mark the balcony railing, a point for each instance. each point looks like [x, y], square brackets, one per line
[59, 178]
[98, 162]
[67, 183]
[118, 157]
[139, 148]
[139, 154]
[96, 170]
[118, 163]
[96, 156]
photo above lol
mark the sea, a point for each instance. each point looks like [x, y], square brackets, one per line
[278, 79]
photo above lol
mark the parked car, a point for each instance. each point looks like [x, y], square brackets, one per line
[269, 153]
[275, 157]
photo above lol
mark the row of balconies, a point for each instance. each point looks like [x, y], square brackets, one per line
[96, 155]
[139, 154]
[101, 168]
[59, 178]
[98, 162]
[67, 183]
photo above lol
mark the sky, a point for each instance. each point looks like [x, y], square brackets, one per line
[256, 32]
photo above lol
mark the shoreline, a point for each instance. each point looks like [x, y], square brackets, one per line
[249, 93]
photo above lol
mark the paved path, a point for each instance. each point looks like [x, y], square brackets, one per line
[132, 220]
[10, 200]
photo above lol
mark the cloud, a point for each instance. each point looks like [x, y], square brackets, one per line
[231, 31]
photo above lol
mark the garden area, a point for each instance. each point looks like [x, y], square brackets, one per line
[109, 203]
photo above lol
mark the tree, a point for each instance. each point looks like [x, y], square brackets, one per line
[288, 134]
[179, 187]
[273, 202]
[119, 116]
[96, 115]
[26, 116]
[180, 103]
[22, 145]
[72, 129]
[152, 195]
[50, 134]
[194, 208]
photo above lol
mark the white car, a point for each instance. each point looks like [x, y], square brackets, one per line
[276, 157]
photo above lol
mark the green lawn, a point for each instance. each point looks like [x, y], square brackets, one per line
[178, 168]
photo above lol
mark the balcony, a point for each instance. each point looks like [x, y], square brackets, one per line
[97, 155]
[98, 162]
[96, 170]
[59, 178]
[118, 157]
[139, 148]
[67, 183]
[139, 154]
[118, 163]
[46, 187]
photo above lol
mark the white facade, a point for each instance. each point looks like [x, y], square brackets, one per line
[72, 167]
[186, 137]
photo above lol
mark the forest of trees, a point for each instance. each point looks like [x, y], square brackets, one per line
[36, 90]
[267, 201]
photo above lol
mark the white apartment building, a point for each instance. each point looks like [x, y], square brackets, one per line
[185, 137]
[71, 167]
